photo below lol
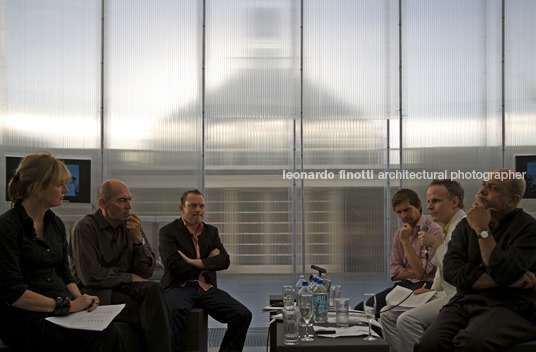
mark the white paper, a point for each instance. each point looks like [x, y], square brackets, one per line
[357, 330]
[97, 320]
[399, 293]
[355, 317]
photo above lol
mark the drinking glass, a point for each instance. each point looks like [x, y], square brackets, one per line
[306, 310]
[288, 296]
[290, 326]
[369, 304]
[342, 306]
[334, 293]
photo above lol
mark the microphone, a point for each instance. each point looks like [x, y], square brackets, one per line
[424, 228]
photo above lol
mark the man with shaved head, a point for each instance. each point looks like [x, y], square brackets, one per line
[112, 259]
[491, 260]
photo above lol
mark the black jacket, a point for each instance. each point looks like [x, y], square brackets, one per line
[174, 237]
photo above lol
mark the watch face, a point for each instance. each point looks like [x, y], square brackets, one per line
[483, 234]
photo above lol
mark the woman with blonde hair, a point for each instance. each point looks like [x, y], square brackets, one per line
[35, 280]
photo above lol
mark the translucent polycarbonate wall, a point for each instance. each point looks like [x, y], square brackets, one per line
[233, 96]
[246, 196]
[252, 59]
[338, 224]
[350, 53]
[520, 89]
[152, 95]
[451, 88]
[50, 83]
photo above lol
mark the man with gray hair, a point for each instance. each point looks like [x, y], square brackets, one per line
[112, 259]
[491, 261]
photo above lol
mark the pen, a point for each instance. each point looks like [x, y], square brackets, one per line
[423, 285]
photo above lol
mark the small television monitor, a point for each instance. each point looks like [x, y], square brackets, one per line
[79, 187]
[527, 164]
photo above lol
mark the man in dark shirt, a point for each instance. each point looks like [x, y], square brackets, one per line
[192, 252]
[111, 258]
[491, 260]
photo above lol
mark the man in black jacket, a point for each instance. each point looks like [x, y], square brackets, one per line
[491, 260]
[192, 252]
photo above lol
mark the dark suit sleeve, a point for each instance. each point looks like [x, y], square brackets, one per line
[458, 268]
[507, 265]
[171, 240]
[216, 263]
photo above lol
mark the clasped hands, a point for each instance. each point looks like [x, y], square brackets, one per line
[85, 302]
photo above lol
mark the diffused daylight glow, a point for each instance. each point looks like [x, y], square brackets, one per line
[50, 128]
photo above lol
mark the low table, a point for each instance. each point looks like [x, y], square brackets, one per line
[323, 344]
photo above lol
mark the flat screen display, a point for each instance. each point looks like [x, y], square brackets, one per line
[79, 187]
[527, 164]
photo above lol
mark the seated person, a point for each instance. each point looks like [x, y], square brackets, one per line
[35, 281]
[491, 260]
[403, 329]
[111, 258]
[192, 252]
[410, 264]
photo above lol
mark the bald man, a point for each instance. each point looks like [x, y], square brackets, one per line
[111, 258]
[491, 260]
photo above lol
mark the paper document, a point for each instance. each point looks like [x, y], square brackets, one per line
[354, 318]
[399, 294]
[97, 320]
[349, 331]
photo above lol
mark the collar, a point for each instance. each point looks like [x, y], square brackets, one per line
[101, 221]
[455, 219]
[506, 220]
[422, 221]
[27, 221]
[197, 231]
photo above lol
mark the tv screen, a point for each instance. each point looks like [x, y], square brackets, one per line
[79, 187]
[527, 164]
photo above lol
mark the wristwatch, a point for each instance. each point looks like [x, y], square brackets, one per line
[483, 234]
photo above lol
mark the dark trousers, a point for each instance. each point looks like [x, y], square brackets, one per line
[146, 306]
[218, 304]
[30, 332]
[476, 327]
[380, 297]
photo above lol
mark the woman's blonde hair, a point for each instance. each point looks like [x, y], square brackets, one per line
[35, 172]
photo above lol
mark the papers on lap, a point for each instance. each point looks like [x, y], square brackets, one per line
[399, 293]
[97, 320]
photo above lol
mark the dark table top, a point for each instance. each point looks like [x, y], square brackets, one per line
[321, 344]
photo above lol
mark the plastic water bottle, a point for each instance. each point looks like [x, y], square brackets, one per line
[303, 290]
[313, 284]
[320, 302]
[299, 283]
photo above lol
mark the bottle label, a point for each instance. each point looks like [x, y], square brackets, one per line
[320, 301]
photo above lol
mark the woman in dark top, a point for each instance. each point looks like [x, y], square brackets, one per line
[35, 281]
